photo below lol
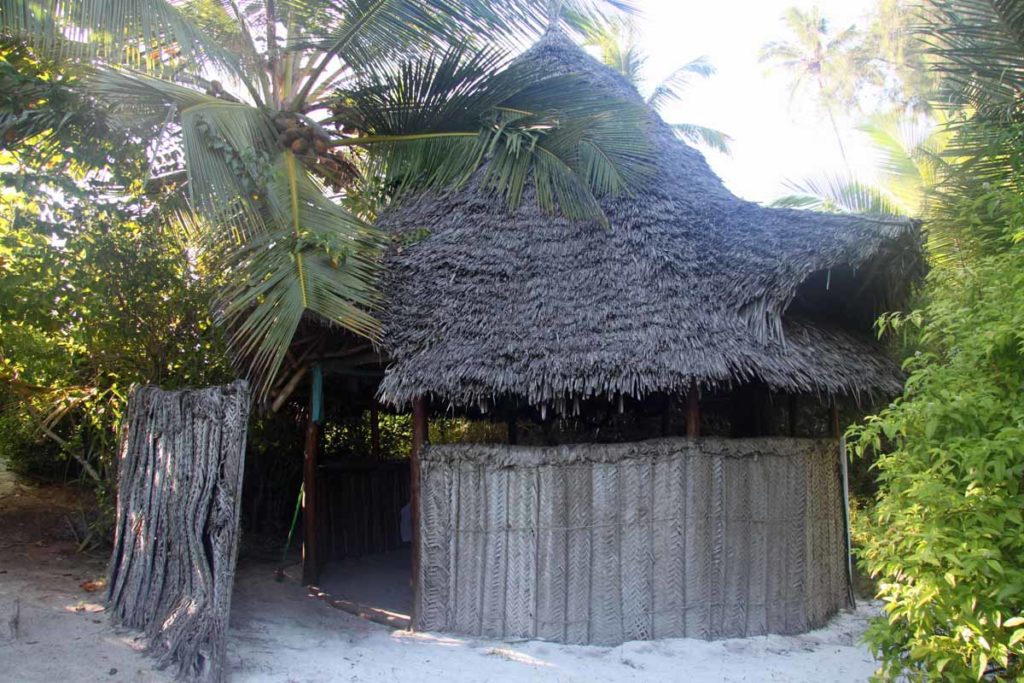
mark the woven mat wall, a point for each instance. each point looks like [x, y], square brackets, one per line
[602, 543]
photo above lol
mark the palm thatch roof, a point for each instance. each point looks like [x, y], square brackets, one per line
[688, 284]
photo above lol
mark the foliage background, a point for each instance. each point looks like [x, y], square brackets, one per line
[95, 294]
[944, 538]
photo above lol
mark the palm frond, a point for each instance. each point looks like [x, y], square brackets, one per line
[284, 248]
[894, 151]
[908, 156]
[226, 144]
[434, 122]
[702, 135]
[838, 194]
[783, 53]
[670, 88]
[133, 96]
[364, 32]
[807, 25]
[313, 257]
[612, 36]
[842, 40]
[798, 201]
[445, 90]
[560, 186]
[357, 26]
[149, 35]
[976, 47]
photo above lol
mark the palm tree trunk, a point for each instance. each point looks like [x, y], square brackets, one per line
[272, 54]
[180, 473]
[835, 129]
[839, 139]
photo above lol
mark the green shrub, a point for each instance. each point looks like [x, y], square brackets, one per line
[945, 541]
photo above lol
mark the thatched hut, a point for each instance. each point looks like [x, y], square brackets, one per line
[689, 285]
[727, 331]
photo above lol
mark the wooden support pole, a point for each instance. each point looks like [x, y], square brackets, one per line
[844, 480]
[791, 414]
[419, 439]
[666, 416]
[834, 418]
[693, 412]
[757, 422]
[513, 431]
[374, 428]
[769, 425]
[310, 558]
[290, 387]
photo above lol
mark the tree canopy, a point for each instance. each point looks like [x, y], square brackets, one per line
[259, 110]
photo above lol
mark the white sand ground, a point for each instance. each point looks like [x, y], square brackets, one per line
[280, 634]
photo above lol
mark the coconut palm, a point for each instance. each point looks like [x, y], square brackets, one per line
[976, 49]
[911, 160]
[908, 153]
[616, 42]
[818, 58]
[271, 101]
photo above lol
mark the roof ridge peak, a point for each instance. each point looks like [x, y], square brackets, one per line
[554, 14]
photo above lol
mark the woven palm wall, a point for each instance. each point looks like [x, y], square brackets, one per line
[603, 543]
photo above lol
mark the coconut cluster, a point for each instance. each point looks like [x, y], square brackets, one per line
[300, 138]
[313, 147]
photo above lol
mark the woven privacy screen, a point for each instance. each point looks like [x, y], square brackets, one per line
[603, 543]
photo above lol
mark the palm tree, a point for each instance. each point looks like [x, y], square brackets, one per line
[976, 50]
[908, 151]
[911, 156]
[271, 102]
[818, 58]
[616, 41]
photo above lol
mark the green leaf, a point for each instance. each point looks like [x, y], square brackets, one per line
[836, 193]
[669, 90]
[433, 122]
[151, 35]
[702, 135]
[289, 269]
[980, 666]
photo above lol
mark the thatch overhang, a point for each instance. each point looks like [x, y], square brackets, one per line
[688, 284]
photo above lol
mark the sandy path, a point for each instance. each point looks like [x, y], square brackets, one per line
[62, 634]
[280, 634]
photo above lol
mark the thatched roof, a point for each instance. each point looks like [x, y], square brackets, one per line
[689, 283]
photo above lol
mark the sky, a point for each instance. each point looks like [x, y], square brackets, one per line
[774, 138]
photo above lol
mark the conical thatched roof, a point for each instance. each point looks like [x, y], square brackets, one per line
[690, 283]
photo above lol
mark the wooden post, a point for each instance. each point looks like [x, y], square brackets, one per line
[666, 416]
[834, 415]
[310, 558]
[844, 479]
[791, 412]
[419, 439]
[693, 412]
[513, 431]
[374, 428]
[758, 397]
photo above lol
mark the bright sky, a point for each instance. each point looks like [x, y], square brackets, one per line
[774, 138]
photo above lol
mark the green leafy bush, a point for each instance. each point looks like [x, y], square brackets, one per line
[945, 541]
[95, 292]
[86, 309]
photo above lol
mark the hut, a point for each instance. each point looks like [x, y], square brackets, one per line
[668, 390]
